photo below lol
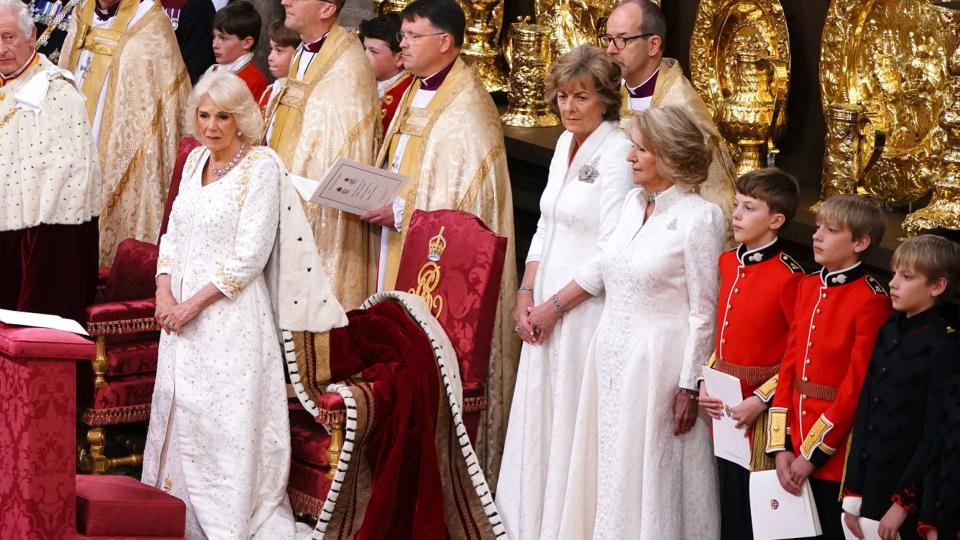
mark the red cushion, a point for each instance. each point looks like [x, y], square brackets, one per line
[132, 358]
[308, 488]
[110, 505]
[308, 439]
[132, 275]
[471, 269]
[123, 400]
[28, 342]
[121, 311]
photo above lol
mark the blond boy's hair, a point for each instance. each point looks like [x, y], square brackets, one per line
[861, 215]
[932, 256]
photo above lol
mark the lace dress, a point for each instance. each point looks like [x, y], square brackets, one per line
[630, 477]
[578, 209]
[219, 436]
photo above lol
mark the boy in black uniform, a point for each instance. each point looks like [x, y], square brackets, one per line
[900, 404]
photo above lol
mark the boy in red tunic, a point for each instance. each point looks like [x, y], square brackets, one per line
[380, 43]
[236, 29]
[758, 289]
[283, 43]
[839, 312]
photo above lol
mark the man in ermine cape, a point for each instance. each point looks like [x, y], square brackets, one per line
[634, 37]
[125, 59]
[50, 188]
[446, 137]
[329, 109]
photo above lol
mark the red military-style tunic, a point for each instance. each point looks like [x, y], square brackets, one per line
[758, 291]
[835, 328]
[255, 80]
[392, 97]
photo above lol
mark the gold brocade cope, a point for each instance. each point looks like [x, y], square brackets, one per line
[943, 211]
[332, 112]
[449, 170]
[102, 42]
[888, 56]
[740, 65]
[528, 72]
[141, 125]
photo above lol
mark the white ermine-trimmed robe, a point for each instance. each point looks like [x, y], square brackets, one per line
[578, 210]
[219, 434]
[630, 477]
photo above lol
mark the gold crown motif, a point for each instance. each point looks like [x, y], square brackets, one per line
[436, 246]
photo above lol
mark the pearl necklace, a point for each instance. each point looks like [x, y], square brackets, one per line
[219, 173]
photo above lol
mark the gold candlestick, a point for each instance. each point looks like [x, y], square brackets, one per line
[943, 212]
[480, 47]
[531, 59]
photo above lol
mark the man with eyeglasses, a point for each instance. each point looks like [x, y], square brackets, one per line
[327, 110]
[634, 38]
[446, 137]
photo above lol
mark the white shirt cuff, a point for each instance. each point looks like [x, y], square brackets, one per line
[398, 206]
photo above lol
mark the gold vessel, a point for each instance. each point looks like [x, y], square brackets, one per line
[889, 57]
[480, 47]
[572, 22]
[943, 211]
[390, 6]
[531, 59]
[852, 147]
[740, 65]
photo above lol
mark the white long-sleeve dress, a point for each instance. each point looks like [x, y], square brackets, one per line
[578, 210]
[219, 436]
[630, 477]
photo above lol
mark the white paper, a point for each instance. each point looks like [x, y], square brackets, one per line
[352, 187]
[777, 514]
[729, 442]
[869, 527]
[41, 320]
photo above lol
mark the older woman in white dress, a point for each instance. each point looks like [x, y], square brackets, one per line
[642, 462]
[219, 436]
[589, 177]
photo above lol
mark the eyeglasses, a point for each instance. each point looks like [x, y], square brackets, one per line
[620, 42]
[413, 38]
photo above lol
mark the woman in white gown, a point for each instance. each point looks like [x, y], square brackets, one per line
[589, 177]
[219, 436]
[642, 463]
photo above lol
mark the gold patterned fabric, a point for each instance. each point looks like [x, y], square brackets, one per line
[449, 169]
[332, 112]
[673, 88]
[146, 93]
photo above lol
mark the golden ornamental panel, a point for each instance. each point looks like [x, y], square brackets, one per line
[887, 59]
[740, 65]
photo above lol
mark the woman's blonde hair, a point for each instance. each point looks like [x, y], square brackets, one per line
[591, 66]
[671, 135]
[231, 95]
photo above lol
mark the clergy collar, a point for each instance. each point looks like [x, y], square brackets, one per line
[840, 277]
[433, 82]
[645, 89]
[314, 46]
[108, 13]
[7, 79]
[760, 254]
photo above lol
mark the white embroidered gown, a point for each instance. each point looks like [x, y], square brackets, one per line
[219, 435]
[630, 477]
[578, 209]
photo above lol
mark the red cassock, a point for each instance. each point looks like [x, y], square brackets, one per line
[392, 97]
[255, 80]
[835, 327]
[758, 292]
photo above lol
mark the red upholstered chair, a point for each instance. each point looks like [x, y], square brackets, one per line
[461, 291]
[40, 494]
[118, 387]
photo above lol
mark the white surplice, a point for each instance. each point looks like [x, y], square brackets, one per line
[578, 209]
[630, 477]
[219, 436]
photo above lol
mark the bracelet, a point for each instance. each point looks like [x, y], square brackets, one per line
[525, 289]
[558, 305]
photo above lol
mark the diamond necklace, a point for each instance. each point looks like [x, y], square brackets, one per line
[219, 173]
